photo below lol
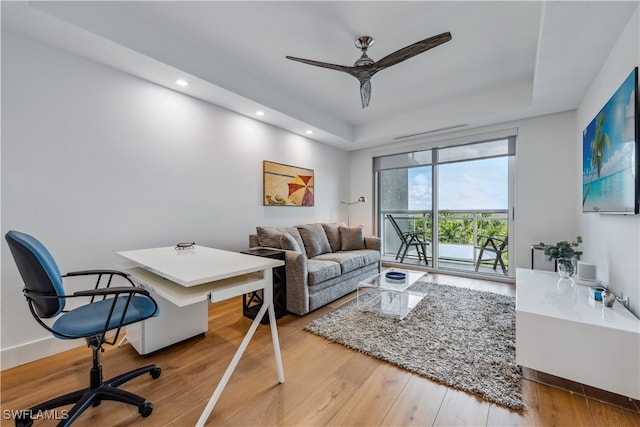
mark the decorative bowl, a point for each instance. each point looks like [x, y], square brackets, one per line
[395, 275]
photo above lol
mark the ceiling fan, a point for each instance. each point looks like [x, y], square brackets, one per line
[364, 68]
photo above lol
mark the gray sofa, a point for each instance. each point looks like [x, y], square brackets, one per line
[323, 262]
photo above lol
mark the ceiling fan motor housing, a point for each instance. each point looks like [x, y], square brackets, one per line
[364, 42]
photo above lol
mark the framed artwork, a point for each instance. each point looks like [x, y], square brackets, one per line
[285, 185]
[610, 165]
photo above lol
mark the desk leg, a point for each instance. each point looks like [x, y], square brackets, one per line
[274, 335]
[267, 305]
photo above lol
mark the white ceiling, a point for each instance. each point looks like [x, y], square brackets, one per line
[506, 60]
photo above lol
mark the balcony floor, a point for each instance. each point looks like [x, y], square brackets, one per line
[445, 264]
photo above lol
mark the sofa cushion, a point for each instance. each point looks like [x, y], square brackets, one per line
[368, 256]
[270, 236]
[288, 243]
[295, 234]
[352, 238]
[349, 260]
[315, 240]
[333, 235]
[319, 271]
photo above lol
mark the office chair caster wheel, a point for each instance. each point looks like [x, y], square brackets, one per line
[24, 422]
[145, 409]
[155, 373]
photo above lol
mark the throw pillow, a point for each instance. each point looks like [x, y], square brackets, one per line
[293, 231]
[333, 235]
[269, 237]
[288, 243]
[352, 238]
[315, 241]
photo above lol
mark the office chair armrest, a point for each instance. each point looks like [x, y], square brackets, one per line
[37, 295]
[96, 272]
[111, 291]
[100, 273]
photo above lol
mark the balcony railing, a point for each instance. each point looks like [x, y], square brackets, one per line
[459, 233]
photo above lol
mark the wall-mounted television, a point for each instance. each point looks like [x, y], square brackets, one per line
[610, 153]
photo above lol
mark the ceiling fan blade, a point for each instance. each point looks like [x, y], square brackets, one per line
[410, 51]
[365, 93]
[343, 68]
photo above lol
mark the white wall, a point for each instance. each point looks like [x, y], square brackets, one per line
[612, 242]
[95, 161]
[545, 188]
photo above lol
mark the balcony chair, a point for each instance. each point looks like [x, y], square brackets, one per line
[409, 239]
[107, 309]
[491, 250]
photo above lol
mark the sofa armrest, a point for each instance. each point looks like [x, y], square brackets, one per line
[296, 267]
[372, 242]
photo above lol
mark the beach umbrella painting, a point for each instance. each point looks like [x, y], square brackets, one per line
[301, 190]
[286, 185]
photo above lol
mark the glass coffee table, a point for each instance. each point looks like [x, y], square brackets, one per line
[389, 296]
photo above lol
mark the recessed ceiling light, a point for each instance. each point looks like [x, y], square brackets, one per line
[309, 132]
[180, 82]
[259, 113]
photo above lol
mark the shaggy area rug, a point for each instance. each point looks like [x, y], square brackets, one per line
[459, 337]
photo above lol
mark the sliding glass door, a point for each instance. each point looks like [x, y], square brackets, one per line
[473, 201]
[467, 187]
[406, 214]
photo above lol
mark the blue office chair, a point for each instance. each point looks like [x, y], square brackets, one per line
[108, 308]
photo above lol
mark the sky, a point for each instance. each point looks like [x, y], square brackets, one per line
[477, 184]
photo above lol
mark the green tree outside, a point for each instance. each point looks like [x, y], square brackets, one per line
[457, 227]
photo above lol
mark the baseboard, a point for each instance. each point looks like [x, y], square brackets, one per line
[583, 390]
[34, 350]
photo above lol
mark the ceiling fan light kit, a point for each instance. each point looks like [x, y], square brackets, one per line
[364, 68]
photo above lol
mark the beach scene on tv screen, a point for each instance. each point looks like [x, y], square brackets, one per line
[608, 155]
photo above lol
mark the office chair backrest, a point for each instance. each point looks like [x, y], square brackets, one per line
[39, 272]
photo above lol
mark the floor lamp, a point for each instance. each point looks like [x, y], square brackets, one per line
[361, 199]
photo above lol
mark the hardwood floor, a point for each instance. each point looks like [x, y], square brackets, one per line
[326, 384]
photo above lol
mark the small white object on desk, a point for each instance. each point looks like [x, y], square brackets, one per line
[587, 272]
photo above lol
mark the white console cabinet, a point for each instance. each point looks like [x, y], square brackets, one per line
[560, 331]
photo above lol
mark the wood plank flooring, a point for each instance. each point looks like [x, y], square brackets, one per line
[326, 383]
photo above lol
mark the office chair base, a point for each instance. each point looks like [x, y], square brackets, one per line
[93, 396]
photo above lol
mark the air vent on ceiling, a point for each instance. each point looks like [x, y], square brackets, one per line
[430, 131]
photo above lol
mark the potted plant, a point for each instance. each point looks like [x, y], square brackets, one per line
[564, 253]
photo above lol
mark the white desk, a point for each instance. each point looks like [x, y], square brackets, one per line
[561, 332]
[182, 282]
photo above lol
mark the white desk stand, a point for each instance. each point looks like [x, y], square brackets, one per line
[186, 279]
